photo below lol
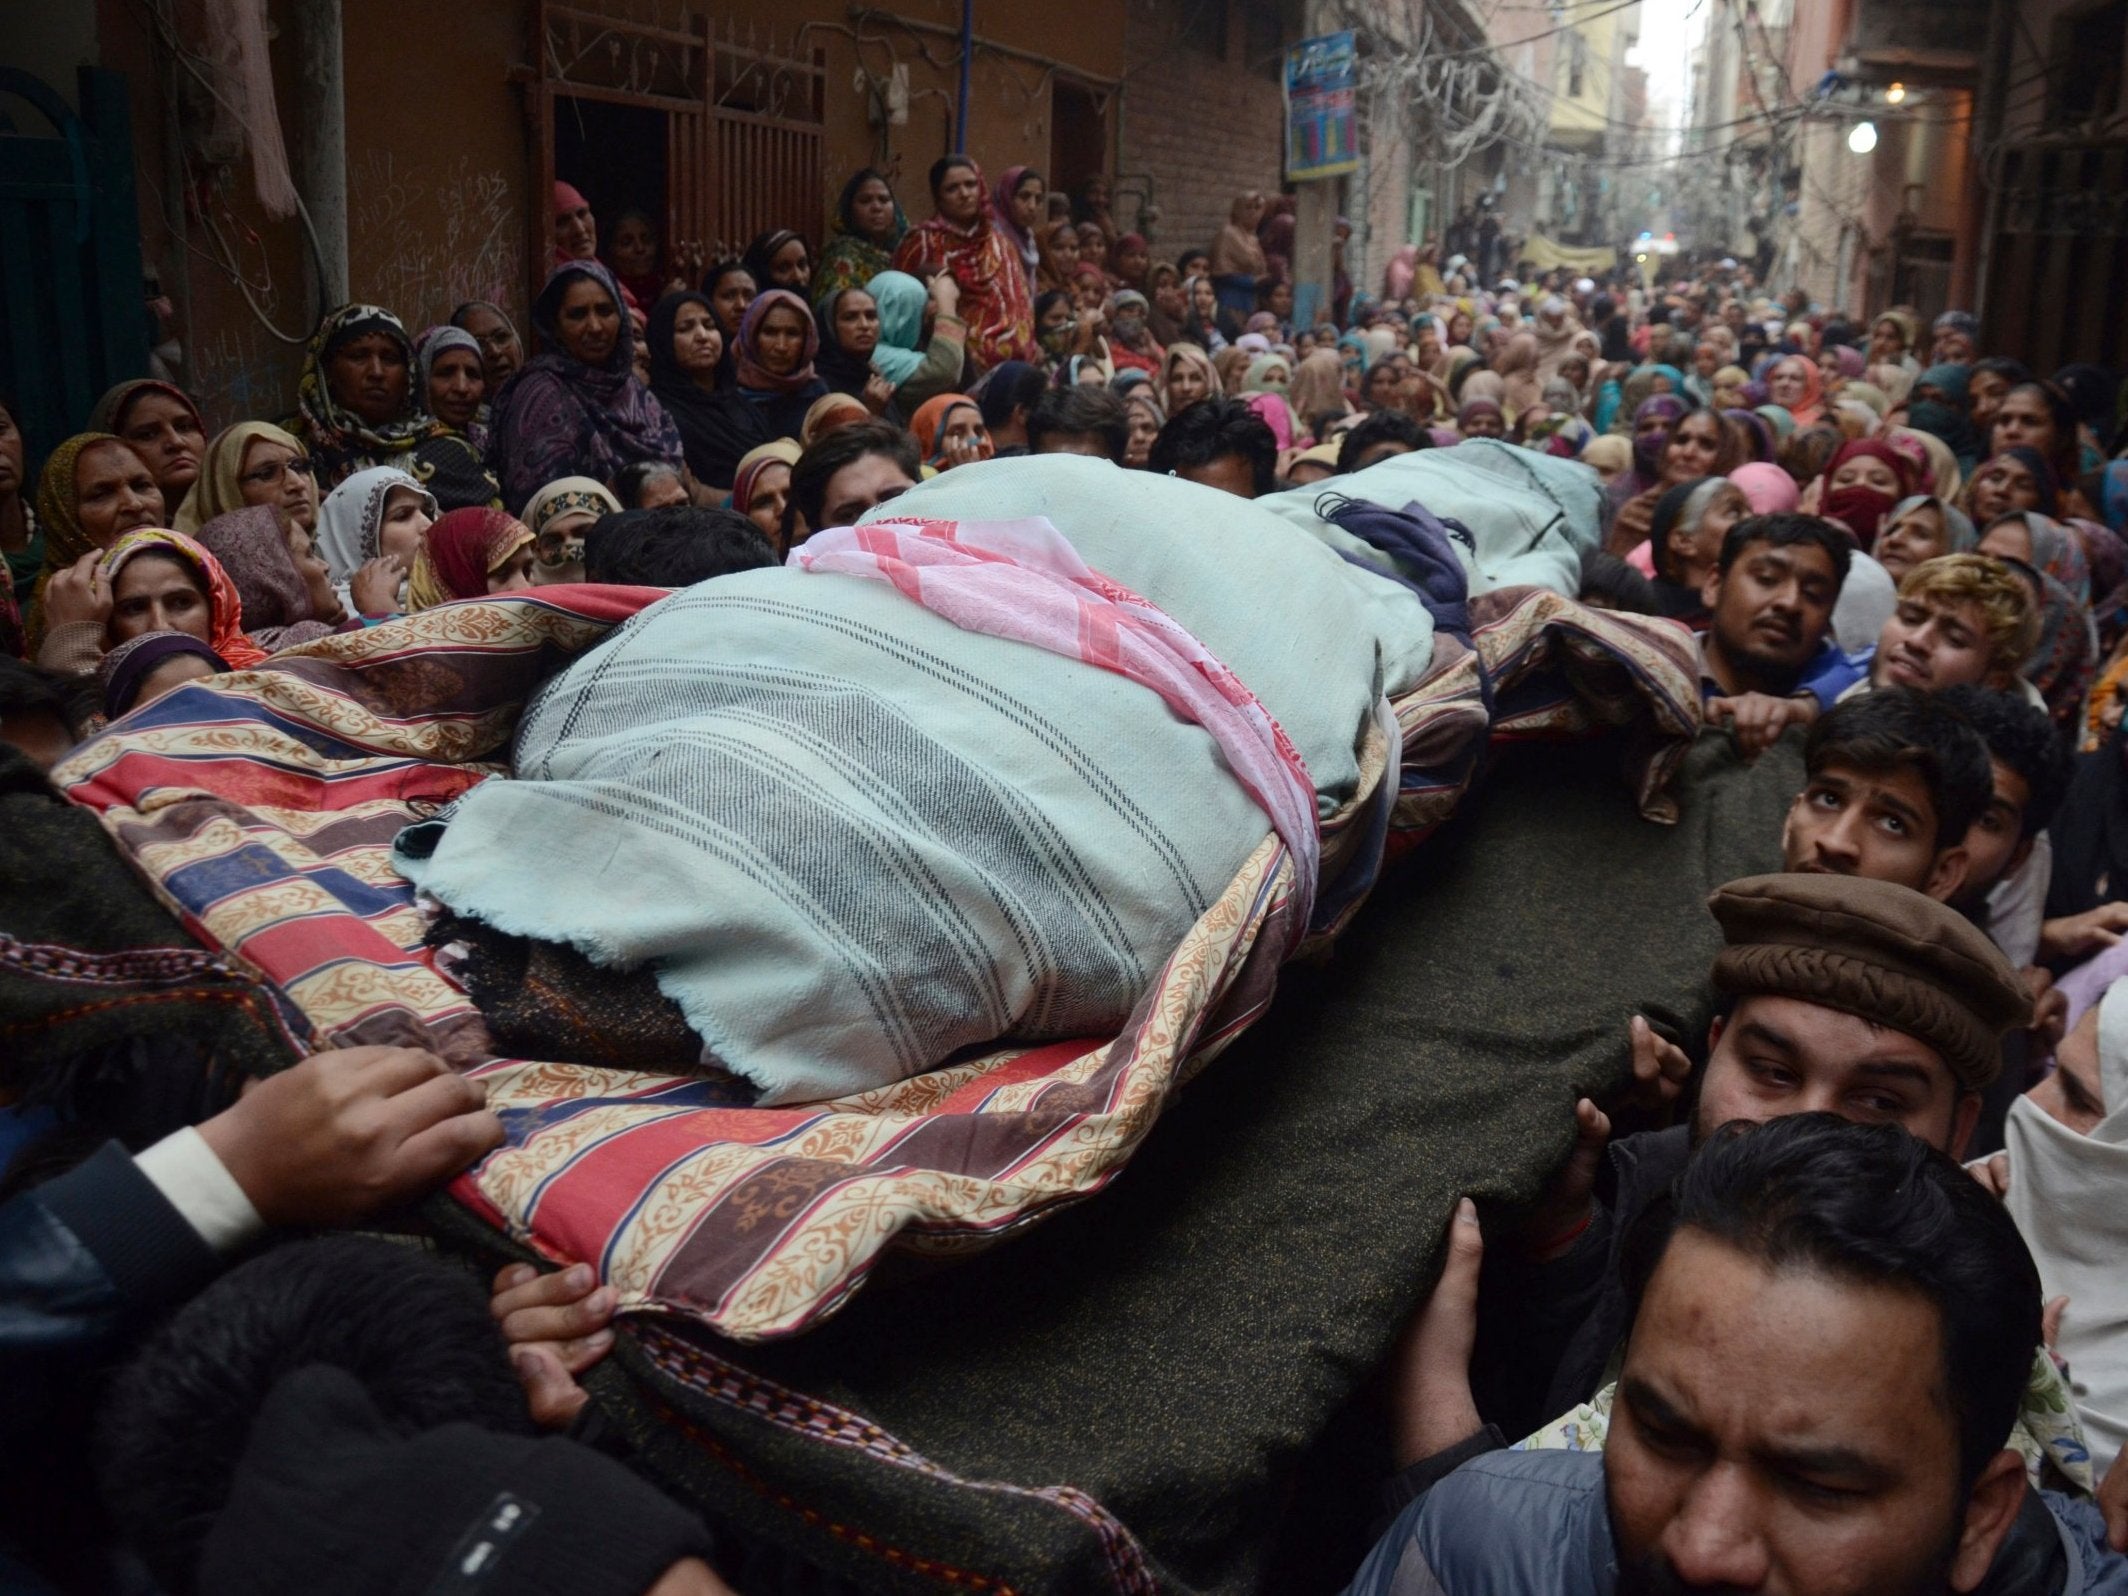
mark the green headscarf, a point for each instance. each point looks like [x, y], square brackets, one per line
[901, 299]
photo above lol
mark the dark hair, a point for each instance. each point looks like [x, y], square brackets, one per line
[2061, 410]
[1785, 531]
[1011, 389]
[1213, 429]
[1875, 1205]
[1042, 304]
[675, 546]
[2023, 737]
[1806, 452]
[719, 270]
[637, 475]
[1081, 411]
[1379, 426]
[177, 1418]
[2010, 371]
[1897, 728]
[1608, 577]
[27, 689]
[844, 446]
[945, 164]
[762, 252]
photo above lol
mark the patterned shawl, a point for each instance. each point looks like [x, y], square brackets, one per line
[274, 598]
[995, 300]
[338, 440]
[459, 551]
[852, 260]
[225, 610]
[559, 417]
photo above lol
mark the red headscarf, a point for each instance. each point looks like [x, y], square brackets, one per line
[225, 611]
[1812, 406]
[457, 553]
[930, 419]
[1862, 510]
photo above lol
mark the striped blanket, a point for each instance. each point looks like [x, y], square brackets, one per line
[262, 805]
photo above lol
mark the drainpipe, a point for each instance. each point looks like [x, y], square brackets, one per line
[321, 151]
[960, 120]
[1990, 102]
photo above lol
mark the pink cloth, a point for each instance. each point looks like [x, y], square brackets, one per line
[1767, 488]
[1642, 557]
[1023, 580]
[1277, 415]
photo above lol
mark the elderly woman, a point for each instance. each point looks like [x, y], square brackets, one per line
[774, 385]
[471, 553]
[253, 462]
[93, 490]
[869, 226]
[960, 240]
[577, 408]
[1670, 445]
[1919, 528]
[356, 407]
[454, 383]
[558, 516]
[1796, 385]
[762, 487]
[162, 425]
[1142, 407]
[502, 351]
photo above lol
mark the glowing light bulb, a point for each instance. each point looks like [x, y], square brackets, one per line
[1896, 94]
[1863, 139]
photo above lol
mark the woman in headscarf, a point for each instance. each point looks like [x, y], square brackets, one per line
[632, 254]
[1187, 376]
[1481, 417]
[1238, 260]
[1671, 444]
[774, 385]
[1919, 528]
[92, 491]
[1938, 407]
[1130, 261]
[356, 407]
[577, 408]
[286, 600]
[1017, 206]
[369, 531]
[1516, 365]
[1838, 365]
[1168, 307]
[142, 669]
[575, 228]
[2043, 543]
[686, 359]
[1862, 481]
[1318, 390]
[2016, 479]
[730, 288]
[1891, 340]
[1796, 386]
[471, 553]
[923, 342]
[849, 336]
[150, 580]
[454, 384]
[501, 350]
[1057, 246]
[868, 225]
[779, 259]
[950, 432]
[2039, 416]
[828, 413]
[961, 241]
[162, 425]
[762, 487]
[2063, 662]
[558, 516]
[1685, 543]
[1142, 406]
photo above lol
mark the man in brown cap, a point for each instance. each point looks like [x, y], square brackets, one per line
[1844, 995]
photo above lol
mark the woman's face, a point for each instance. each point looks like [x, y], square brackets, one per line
[697, 345]
[960, 195]
[1787, 384]
[1829, 369]
[2012, 540]
[1064, 246]
[115, 493]
[772, 491]
[872, 209]
[1087, 292]
[500, 351]
[368, 376]
[1575, 368]
[167, 437]
[158, 593]
[1279, 302]
[1916, 536]
[406, 519]
[857, 322]
[576, 233]
[964, 435]
[1055, 319]
[782, 340]
[1866, 471]
[275, 475]
[516, 574]
[1143, 430]
[1886, 342]
[1729, 507]
[1195, 264]
[1132, 263]
[1093, 243]
[1459, 326]
[317, 576]
[456, 387]
[1428, 345]
[1187, 382]
[791, 267]
[733, 293]
[2002, 486]
[1204, 300]
[1984, 392]
[2022, 421]
[1252, 210]
[1169, 299]
[635, 248]
[590, 322]
[1660, 384]
[558, 547]
[1382, 385]
[1028, 203]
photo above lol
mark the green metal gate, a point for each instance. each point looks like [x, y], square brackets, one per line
[72, 316]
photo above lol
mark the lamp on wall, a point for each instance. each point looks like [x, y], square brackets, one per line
[1863, 138]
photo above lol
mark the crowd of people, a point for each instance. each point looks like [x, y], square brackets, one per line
[1770, 1336]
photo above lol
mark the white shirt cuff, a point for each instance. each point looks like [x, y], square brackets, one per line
[199, 1186]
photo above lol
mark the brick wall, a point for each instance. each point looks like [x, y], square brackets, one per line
[1203, 128]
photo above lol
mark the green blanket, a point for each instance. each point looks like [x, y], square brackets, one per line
[1168, 1387]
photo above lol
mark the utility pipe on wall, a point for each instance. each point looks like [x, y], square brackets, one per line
[321, 151]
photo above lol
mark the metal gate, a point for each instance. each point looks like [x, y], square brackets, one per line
[70, 278]
[2058, 255]
[769, 141]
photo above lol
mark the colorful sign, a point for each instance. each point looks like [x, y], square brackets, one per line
[1322, 123]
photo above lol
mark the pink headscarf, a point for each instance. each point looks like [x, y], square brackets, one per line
[1277, 415]
[1767, 488]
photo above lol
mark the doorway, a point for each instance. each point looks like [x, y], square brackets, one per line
[1078, 135]
[615, 157]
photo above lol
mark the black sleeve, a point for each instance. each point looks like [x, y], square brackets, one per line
[1528, 1316]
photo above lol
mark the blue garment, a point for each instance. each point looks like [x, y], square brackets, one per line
[1828, 674]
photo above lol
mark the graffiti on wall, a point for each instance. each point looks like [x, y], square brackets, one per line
[423, 241]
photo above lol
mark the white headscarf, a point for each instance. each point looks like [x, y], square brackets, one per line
[351, 520]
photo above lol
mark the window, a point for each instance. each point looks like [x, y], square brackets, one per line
[1204, 28]
[2084, 65]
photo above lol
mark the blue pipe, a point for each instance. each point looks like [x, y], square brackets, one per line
[960, 123]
